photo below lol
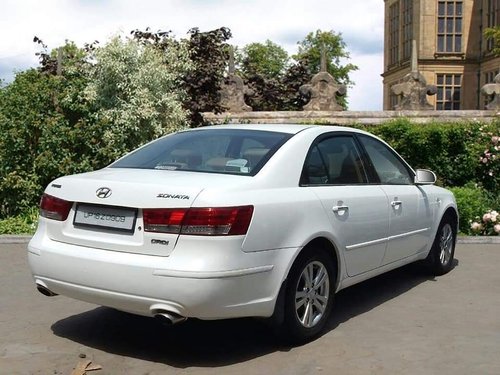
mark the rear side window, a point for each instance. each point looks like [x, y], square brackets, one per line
[334, 161]
[231, 151]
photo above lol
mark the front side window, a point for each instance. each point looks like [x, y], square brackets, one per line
[449, 27]
[334, 161]
[388, 167]
[231, 151]
[448, 91]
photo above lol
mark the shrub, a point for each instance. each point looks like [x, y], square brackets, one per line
[24, 223]
[472, 202]
[450, 150]
[488, 224]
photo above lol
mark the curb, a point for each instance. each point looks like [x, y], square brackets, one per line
[485, 240]
[8, 238]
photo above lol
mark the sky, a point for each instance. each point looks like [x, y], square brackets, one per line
[285, 22]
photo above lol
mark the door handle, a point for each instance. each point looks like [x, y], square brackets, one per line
[340, 208]
[396, 203]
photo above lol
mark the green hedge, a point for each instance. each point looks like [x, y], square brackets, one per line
[464, 155]
[451, 150]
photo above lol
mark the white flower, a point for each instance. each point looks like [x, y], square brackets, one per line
[494, 216]
[496, 228]
[486, 217]
[495, 139]
[475, 226]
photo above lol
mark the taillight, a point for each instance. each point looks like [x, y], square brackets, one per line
[54, 208]
[219, 221]
[163, 220]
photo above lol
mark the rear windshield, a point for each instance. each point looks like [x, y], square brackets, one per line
[231, 151]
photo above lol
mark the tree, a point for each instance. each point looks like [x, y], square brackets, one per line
[136, 94]
[263, 66]
[309, 54]
[209, 54]
[268, 60]
[493, 33]
[81, 109]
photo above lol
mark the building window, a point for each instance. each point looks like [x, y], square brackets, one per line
[449, 37]
[393, 101]
[394, 33]
[492, 19]
[489, 77]
[448, 91]
[407, 17]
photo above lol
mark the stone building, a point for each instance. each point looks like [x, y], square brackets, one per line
[452, 51]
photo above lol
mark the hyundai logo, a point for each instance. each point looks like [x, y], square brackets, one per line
[103, 192]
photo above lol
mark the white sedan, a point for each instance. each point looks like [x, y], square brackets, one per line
[241, 220]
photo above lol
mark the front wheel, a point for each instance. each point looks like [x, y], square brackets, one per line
[309, 295]
[441, 255]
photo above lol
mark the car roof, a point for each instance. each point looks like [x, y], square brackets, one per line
[282, 128]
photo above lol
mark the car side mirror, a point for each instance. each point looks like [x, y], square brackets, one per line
[424, 177]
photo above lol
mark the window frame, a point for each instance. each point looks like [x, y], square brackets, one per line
[234, 144]
[370, 168]
[455, 88]
[456, 32]
[370, 172]
[330, 135]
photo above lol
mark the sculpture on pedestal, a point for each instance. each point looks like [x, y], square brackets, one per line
[414, 88]
[234, 90]
[323, 90]
[492, 90]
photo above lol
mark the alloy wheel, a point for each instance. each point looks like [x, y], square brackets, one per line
[445, 244]
[311, 294]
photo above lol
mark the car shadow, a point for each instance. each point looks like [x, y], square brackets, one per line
[217, 343]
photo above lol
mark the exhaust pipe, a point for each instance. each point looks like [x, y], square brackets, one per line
[45, 291]
[168, 318]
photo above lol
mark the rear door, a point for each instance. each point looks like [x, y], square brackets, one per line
[358, 212]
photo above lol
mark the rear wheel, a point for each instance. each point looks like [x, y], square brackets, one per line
[440, 258]
[309, 295]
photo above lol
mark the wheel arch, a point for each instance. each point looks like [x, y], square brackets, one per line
[323, 242]
[450, 212]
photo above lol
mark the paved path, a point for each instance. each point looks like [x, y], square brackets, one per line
[399, 323]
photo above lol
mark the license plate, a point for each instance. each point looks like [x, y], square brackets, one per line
[106, 217]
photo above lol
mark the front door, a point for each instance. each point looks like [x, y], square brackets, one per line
[410, 212]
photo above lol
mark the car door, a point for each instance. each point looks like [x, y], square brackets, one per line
[410, 212]
[358, 212]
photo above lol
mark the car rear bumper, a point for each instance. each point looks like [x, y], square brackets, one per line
[211, 282]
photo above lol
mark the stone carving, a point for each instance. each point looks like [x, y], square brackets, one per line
[414, 88]
[323, 90]
[492, 90]
[234, 90]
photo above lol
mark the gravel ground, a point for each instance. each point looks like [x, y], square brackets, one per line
[398, 323]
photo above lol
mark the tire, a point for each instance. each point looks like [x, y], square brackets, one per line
[309, 295]
[440, 258]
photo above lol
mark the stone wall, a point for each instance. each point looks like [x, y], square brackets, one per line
[347, 117]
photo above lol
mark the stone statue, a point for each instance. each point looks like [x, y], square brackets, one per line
[492, 91]
[414, 88]
[234, 90]
[323, 90]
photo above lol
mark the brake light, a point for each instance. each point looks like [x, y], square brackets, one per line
[54, 208]
[163, 220]
[219, 221]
